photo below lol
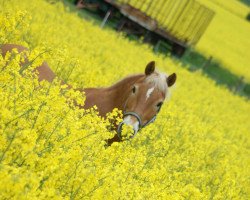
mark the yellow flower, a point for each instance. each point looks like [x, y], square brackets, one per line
[50, 149]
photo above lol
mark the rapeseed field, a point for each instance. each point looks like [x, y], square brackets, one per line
[227, 37]
[198, 147]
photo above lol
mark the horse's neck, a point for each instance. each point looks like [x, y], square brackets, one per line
[106, 99]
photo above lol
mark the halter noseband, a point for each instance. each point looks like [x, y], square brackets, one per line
[119, 128]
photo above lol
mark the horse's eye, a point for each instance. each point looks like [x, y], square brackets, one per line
[133, 90]
[159, 104]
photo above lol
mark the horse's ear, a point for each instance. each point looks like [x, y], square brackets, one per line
[171, 79]
[150, 68]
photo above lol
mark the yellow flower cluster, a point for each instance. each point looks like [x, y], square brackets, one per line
[198, 147]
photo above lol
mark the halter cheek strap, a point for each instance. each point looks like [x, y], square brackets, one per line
[150, 121]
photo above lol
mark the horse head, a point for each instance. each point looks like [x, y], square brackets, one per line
[145, 98]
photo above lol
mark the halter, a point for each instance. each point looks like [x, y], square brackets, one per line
[119, 129]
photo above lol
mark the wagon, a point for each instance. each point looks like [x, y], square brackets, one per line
[177, 23]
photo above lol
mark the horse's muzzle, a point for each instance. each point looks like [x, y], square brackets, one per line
[132, 119]
[136, 125]
[119, 130]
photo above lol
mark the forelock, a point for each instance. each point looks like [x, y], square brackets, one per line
[159, 80]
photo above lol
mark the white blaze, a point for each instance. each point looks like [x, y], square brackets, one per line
[149, 92]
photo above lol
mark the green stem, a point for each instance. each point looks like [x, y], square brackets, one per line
[8, 147]
[26, 112]
[25, 66]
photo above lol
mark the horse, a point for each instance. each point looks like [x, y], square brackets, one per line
[139, 97]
